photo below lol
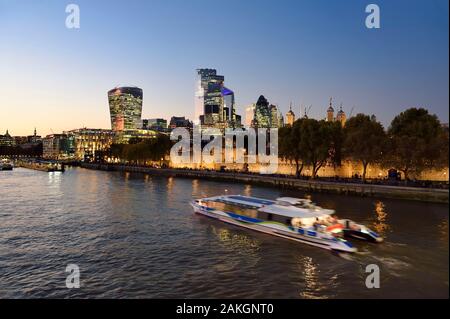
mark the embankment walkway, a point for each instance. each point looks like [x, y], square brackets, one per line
[369, 190]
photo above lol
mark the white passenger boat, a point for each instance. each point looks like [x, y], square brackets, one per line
[291, 218]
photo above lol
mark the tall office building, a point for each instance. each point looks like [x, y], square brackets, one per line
[209, 100]
[262, 113]
[229, 111]
[276, 118]
[125, 106]
[214, 103]
[250, 114]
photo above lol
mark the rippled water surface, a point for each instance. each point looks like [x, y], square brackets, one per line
[135, 236]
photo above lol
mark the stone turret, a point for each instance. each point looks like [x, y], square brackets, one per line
[341, 117]
[290, 116]
[330, 111]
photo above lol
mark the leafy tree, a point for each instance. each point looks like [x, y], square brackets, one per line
[443, 149]
[289, 145]
[416, 142]
[316, 143]
[141, 151]
[311, 142]
[364, 141]
[157, 149]
[336, 142]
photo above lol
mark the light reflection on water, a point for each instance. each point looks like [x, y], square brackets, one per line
[380, 225]
[135, 235]
[241, 243]
[311, 279]
[443, 230]
[247, 190]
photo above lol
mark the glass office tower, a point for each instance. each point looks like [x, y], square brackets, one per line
[229, 111]
[262, 113]
[125, 107]
[209, 102]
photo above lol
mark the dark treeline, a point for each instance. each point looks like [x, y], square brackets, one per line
[140, 151]
[415, 141]
[32, 151]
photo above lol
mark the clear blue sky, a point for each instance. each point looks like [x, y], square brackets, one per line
[302, 51]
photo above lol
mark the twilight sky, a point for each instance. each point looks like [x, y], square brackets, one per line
[303, 51]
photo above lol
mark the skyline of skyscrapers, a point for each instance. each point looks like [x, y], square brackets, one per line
[214, 103]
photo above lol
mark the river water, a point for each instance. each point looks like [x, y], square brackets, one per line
[135, 236]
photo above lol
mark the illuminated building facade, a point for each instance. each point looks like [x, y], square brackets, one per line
[88, 143]
[154, 124]
[124, 137]
[58, 146]
[125, 106]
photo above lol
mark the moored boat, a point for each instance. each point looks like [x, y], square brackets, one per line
[6, 165]
[291, 218]
[42, 165]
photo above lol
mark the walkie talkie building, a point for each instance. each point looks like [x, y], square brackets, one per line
[125, 107]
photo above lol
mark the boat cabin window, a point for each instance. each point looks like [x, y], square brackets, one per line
[230, 208]
[306, 205]
[275, 218]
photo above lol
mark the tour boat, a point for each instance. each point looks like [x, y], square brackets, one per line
[291, 218]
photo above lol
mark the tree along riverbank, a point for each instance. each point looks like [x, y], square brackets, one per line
[369, 190]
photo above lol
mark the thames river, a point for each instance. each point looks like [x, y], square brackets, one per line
[135, 236]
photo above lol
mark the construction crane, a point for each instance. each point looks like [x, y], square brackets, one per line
[307, 110]
[351, 112]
